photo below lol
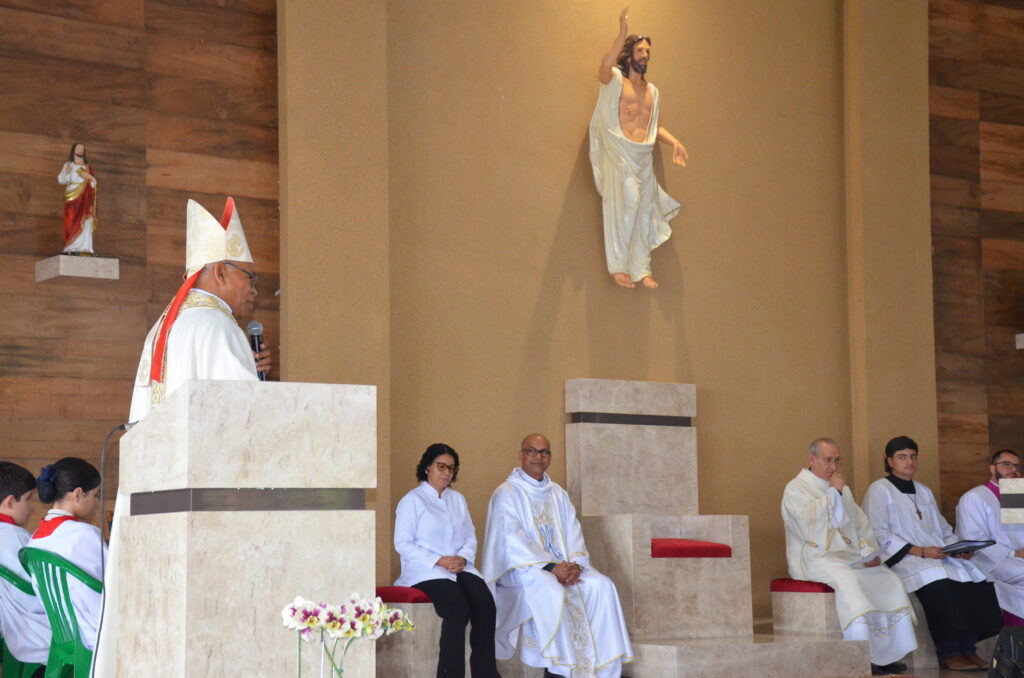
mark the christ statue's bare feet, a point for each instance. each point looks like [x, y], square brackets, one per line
[649, 283]
[623, 279]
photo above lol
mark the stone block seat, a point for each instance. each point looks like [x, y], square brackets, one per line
[809, 608]
[414, 655]
[695, 569]
[410, 655]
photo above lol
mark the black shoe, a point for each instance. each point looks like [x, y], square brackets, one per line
[895, 668]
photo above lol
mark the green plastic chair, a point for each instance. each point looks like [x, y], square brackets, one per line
[68, 654]
[12, 667]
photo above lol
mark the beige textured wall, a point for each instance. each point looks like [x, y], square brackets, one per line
[493, 280]
[892, 336]
[334, 211]
[498, 284]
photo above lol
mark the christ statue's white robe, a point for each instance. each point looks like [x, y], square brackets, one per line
[636, 209]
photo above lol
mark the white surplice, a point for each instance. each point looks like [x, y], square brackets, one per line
[576, 630]
[636, 209]
[826, 532]
[893, 517]
[23, 622]
[205, 342]
[428, 527]
[82, 544]
[977, 517]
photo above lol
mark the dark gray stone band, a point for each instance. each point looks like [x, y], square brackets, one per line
[1011, 500]
[248, 499]
[629, 419]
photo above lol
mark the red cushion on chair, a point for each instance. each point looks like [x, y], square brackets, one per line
[689, 548]
[401, 594]
[786, 585]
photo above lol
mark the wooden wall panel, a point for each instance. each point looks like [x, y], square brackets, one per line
[174, 99]
[977, 162]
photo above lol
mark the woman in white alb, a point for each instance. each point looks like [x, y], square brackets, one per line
[435, 537]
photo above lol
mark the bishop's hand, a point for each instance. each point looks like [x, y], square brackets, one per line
[262, 359]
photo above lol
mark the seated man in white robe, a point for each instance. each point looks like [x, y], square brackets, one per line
[960, 606]
[826, 536]
[564, 614]
[977, 517]
[196, 337]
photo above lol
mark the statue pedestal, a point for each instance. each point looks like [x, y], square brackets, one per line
[64, 265]
[1020, 341]
[243, 495]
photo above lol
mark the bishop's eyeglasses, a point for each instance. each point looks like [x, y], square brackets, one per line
[533, 452]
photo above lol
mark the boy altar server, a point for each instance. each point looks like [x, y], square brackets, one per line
[23, 623]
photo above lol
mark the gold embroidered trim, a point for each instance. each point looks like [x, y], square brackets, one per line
[196, 299]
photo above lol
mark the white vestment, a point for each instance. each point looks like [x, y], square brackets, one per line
[23, 622]
[576, 630]
[977, 517]
[636, 209]
[82, 544]
[205, 342]
[893, 517]
[69, 176]
[825, 533]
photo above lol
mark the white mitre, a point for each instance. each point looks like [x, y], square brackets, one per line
[208, 241]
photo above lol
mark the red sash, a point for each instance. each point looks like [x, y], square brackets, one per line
[47, 527]
[4, 518]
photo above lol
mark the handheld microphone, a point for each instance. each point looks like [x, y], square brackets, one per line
[255, 329]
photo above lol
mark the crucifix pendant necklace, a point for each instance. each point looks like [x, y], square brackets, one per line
[913, 498]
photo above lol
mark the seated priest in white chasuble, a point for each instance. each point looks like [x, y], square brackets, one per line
[959, 605]
[978, 518]
[564, 614]
[829, 540]
[196, 337]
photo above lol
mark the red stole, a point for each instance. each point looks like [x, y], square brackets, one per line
[79, 209]
[47, 527]
[4, 518]
[994, 487]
